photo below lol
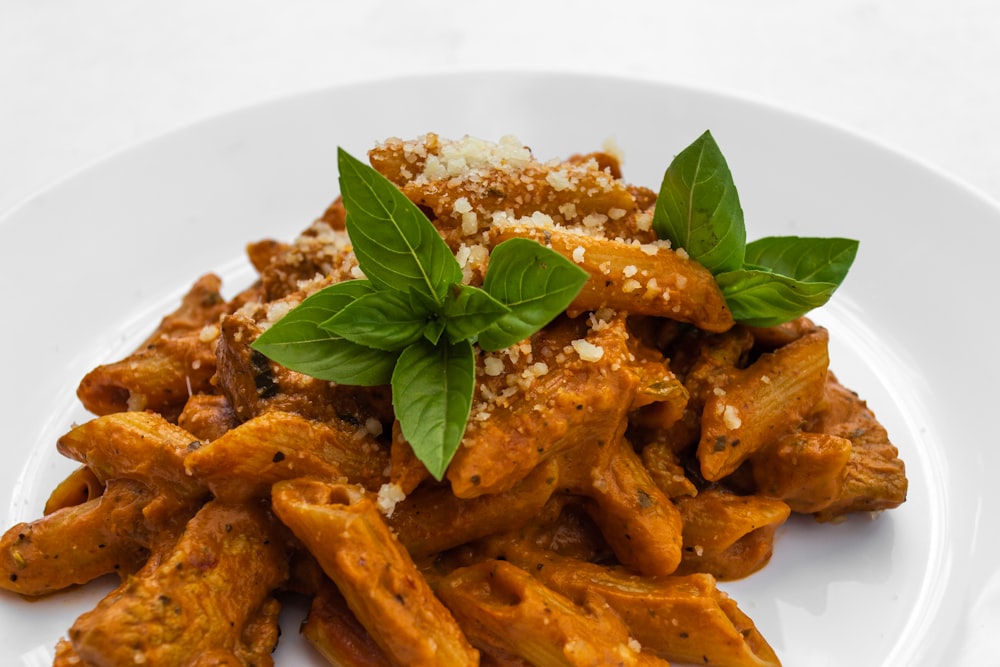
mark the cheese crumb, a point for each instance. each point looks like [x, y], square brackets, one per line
[373, 426]
[208, 333]
[595, 220]
[558, 180]
[578, 254]
[731, 417]
[587, 350]
[389, 495]
[492, 365]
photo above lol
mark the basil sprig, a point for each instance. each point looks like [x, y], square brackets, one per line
[411, 323]
[766, 282]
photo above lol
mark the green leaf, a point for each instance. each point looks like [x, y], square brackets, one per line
[535, 282]
[435, 327]
[298, 342]
[762, 298]
[396, 245]
[698, 207]
[821, 260]
[384, 320]
[432, 390]
[469, 311]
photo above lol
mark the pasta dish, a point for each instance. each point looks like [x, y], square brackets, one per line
[610, 467]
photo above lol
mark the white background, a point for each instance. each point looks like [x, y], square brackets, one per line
[81, 79]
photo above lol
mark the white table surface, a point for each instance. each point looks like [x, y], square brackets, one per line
[82, 79]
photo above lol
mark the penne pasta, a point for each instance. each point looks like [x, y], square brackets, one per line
[727, 535]
[641, 279]
[499, 606]
[78, 543]
[141, 446]
[79, 486]
[640, 524]
[680, 618]
[763, 401]
[335, 632]
[246, 461]
[433, 519]
[180, 605]
[341, 526]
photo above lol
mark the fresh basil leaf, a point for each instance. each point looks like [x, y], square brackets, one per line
[822, 260]
[384, 320]
[432, 390]
[698, 207]
[535, 282]
[435, 327]
[298, 342]
[396, 245]
[762, 298]
[469, 311]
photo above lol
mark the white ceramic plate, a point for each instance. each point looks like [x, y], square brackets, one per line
[89, 266]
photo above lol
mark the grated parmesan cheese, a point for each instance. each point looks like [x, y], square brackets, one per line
[492, 365]
[389, 495]
[587, 350]
[731, 417]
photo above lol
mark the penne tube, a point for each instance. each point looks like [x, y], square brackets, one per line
[433, 519]
[135, 445]
[500, 606]
[638, 521]
[686, 619]
[507, 181]
[570, 384]
[762, 403]
[79, 486]
[201, 594]
[245, 461]
[77, 544]
[727, 535]
[158, 377]
[344, 530]
[336, 634]
[640, 279]
[705, 363]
